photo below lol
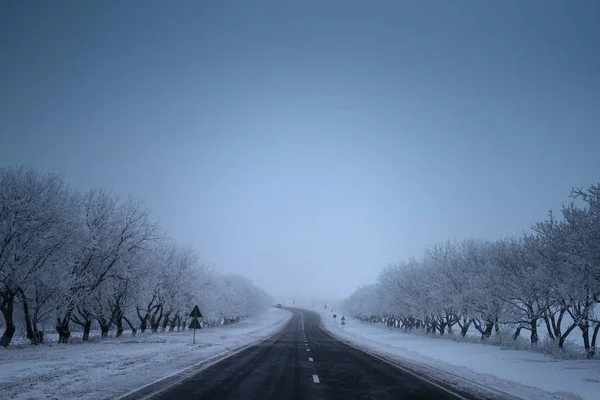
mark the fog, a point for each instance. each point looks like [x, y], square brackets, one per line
[306, 145]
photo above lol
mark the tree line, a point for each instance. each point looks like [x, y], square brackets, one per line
[89, 258]
[548, 277]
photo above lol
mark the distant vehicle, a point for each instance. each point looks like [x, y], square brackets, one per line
[278, 305]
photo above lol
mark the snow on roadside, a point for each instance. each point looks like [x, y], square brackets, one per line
[520, 373]
[113, 367]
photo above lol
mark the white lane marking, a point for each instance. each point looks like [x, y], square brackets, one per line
[310, 359]
[316, 379]
[307, 349]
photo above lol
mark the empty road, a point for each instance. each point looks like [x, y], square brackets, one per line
[303, 362]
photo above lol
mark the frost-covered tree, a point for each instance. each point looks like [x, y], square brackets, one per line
[107, 233]
[34, 230]
[525, 282]
[94, 260]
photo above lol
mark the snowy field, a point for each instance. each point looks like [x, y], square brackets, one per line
[520, 373]
[112, 367]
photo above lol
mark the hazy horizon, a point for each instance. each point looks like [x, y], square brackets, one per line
[306, 145]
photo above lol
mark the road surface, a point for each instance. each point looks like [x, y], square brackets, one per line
[303, 362]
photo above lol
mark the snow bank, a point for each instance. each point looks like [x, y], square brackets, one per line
[113, 367]
[517, 373]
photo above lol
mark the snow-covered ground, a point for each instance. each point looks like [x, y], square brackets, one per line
[520, 373]
[112, 367]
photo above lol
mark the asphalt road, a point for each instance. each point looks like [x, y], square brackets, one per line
[303, 362]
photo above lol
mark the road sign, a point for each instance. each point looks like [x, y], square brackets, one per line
[334, 316]
[343, 319]
[196, 312]
[195, 324]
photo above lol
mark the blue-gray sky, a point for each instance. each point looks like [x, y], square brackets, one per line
[306, 144]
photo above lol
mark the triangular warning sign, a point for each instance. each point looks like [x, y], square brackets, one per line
[196, 312]
[195, 324]
[343, 319]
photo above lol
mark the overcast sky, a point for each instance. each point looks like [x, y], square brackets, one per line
[307, 144]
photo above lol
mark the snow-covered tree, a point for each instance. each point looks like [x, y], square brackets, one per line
[34, 231]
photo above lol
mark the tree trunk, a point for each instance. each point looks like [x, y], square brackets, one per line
[154, 324]
[62, 327]
[585, 333]
[8, 302]
[83, 319]
[450, 328]
[30, 334]
[119, 323]
[87, 326]
[104, 327]
[534, 334]
[133, 328]
[165, 322]
[556, 324]
[549, 328]
[594, 337]
[155, 321]
[563, 337]
[39, 335]
[488, 330]
[517, 333]
[464, 327]
[442, 328]
[143, 321]
[174, 323]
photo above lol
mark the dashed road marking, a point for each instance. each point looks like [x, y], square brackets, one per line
[307, 349]
[310, 359]
[316, 379]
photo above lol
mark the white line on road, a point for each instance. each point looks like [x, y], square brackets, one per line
[316, 379]
[310, 359]
[307, 349]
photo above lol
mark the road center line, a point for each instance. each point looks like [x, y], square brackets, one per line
[316, 379]
[310, 359]
[307, 349]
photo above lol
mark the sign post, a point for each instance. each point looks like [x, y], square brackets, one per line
[195, 324]
[343, 322]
